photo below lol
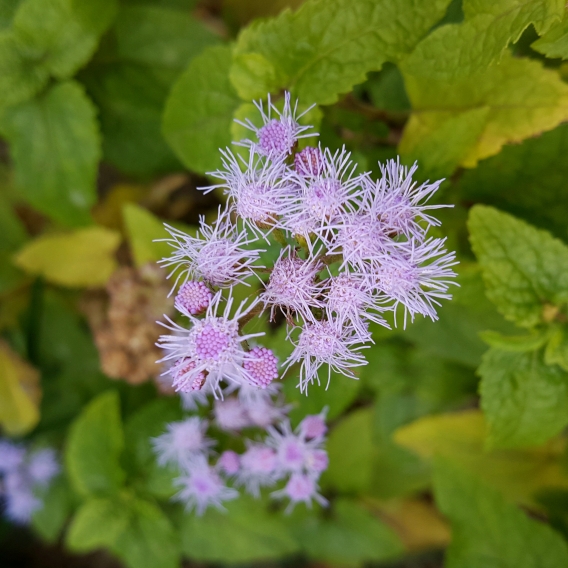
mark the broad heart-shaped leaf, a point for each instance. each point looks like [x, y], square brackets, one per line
[554, 43]
[19, 393]
[61, 35]
[460, 437]
[327, 46]
[523, 99]
[81, 258]
[349, 535]
[199, 111]
[247, 532]
[55, 145]
[524, 268]
[94, 444]
[525, 400]
[487, 531]
[142, 230]
[459, 50]
[537, 171]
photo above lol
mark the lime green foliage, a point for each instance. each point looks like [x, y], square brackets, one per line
[94, 446]
[199, 110]
[55, 146]
[489, 532]
[554, 43]
[524, 268]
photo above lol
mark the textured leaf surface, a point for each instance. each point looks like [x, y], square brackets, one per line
[199, 111]
[554, 43]
[246, 533]
[57, 503]
[328, 46]
[94, 445]
[458, 50]
[489, 532]
[523, 99]
[537, 171]
[19, 393]
[524, 400]
[460, 438]
[54, 142]
[524, 268]
[82, 258]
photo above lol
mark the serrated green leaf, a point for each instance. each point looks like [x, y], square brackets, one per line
[523, 99]
[460, 437]
[524, 400]
[149, 539]
[199, 111]
[459, 50]
[514, 343]
[489, 532]
[326, 47]
[79, 259]
[142, 230]
[524, 268]
[253, 76]
[536, 169]
[554, 43]
[97, 524]
[245, 533]
[61, 35]
[351, 535]
[94, 446]
[54, 142]
[57, 504]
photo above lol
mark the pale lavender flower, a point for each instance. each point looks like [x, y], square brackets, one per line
[211, 350]
[314, 425]
[201, 487]
[262, 366]
[262, 406]
[417, 277]
[11, 456]
[43, 466]
[258, 468]
[20, 503]
[193, 399]
[292, 285]
[259, 194]
[193, 297]
[309, 162]
[218, 253]
[301, 488]
[183, 442]
[278, 136]
[230, 414]
[317, 461]
[229, 463]
[330, 343]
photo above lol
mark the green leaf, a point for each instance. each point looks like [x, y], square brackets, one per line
[523, 99]
[253, 76]
[82, 258]
[149, 540]
[60, 36]
[199, 111]
[460, 437]
[13, 237]
[489, 532]
[524, 400]
[142, 230]
[556, 352]
[94, 445]
[489, 26]
[537, 170]
[554, 43]
[54, 142]
[514, 343]
[326, 47]
[524, 268]
[247, 532]
[351, 535]
[7, 10]
[97, 524]
[57, 504]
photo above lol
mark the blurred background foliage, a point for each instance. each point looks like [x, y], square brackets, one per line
[452, 439]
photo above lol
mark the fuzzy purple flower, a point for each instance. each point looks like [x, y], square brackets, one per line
[193, 297]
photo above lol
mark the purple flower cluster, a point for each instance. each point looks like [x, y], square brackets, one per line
[22, 474]
[294, 459]
[352, 249]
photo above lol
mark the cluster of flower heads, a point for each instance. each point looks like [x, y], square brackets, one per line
[352, 249]
[293, 459]
[22, 474]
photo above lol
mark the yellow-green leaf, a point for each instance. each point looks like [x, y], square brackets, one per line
[19, 393]
[83, 258]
